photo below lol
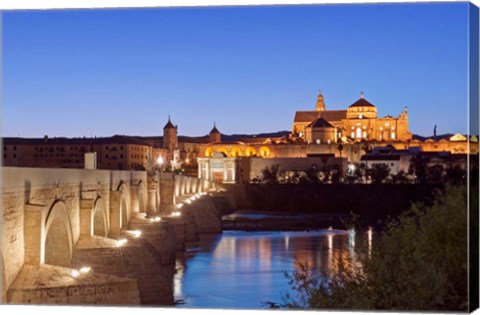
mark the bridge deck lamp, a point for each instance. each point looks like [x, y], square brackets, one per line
[155, 219]
[136, 233]
[121, 242]
[176, 213]
[75, 273]
[85, 269]
[180, 205]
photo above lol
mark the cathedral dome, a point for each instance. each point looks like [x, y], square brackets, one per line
[361, 109]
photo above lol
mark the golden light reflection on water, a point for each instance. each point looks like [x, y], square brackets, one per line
[320, 250]
[248, 267]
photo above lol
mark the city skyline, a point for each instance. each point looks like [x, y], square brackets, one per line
[123, 71]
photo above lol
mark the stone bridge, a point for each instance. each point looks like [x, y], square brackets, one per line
[96, 236]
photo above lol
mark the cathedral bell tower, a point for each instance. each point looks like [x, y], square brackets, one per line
[320, 103]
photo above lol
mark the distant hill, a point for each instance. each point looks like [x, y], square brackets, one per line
[236, 137]
[439, 137]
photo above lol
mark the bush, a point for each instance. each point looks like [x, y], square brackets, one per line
[418, 264]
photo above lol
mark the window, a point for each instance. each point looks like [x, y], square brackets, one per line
[364, 134]
[329, 141]
[4, 148]
[14, 156]
[318, 141]
[300, 134]
[359, 132]
[393, 135]
[353, 134]
[4, 156]
[14, 148]
[360, 116]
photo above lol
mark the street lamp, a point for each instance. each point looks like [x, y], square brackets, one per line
[160, 161]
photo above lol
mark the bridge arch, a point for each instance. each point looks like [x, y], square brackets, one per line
[138, 197]
[100, 222]
[119, 209]
[124, 212]
[58, 242]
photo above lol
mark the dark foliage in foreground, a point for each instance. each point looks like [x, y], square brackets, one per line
[418, 264]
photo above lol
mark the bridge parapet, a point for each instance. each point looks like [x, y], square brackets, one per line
[46, 212]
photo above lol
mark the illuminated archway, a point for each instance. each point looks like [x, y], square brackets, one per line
[223, 150]
[264, 151]
[99, 219]
[208, 152]
[124, 213]
[236, 152]
[58, 240]
[250, 151]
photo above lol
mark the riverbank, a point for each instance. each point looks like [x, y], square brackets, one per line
[278, 221]
[370, 203]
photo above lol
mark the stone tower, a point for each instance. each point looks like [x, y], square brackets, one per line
[215, 135]
[169, 136]
[320, 103]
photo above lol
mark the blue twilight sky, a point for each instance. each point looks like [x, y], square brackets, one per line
[122, 71]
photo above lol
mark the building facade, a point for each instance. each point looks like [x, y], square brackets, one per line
[359, 122]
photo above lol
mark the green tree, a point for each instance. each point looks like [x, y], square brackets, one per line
[455, 175]
[418, 168]
[400, 178]
[379, 173]
[418, 264]
[311, 175]
[270, 175]
[435, 174]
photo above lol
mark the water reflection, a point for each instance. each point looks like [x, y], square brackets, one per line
[243, 269]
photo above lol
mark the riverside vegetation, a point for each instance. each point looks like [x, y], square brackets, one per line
[419, 263]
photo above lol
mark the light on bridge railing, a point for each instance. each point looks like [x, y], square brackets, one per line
[155, 219]
[176, 213]
[180, 205]
[76, 273]
[121, 242]
[85, 269]
[136, 233]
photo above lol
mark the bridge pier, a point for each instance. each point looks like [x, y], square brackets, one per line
[168, 191]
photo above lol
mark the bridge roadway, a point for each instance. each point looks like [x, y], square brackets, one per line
[72, 236]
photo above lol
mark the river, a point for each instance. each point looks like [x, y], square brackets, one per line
[243, 270]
